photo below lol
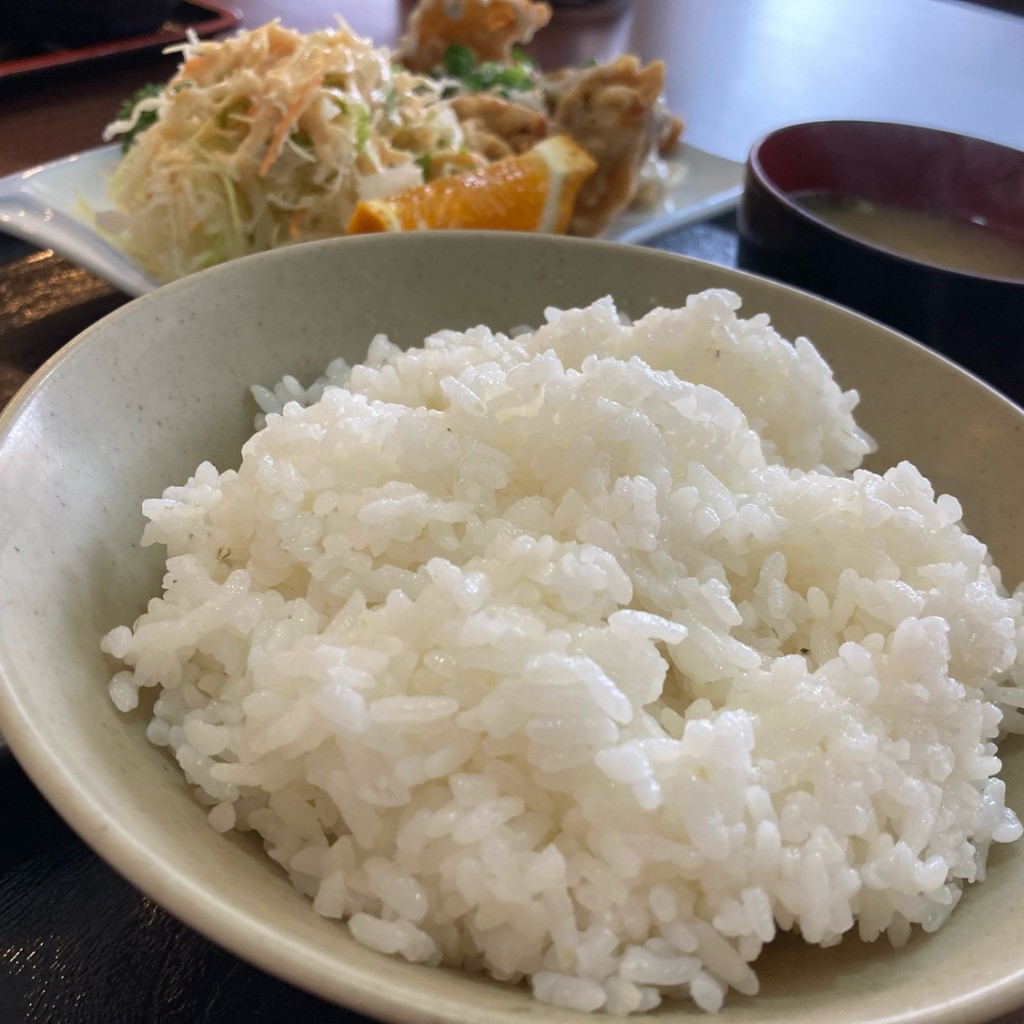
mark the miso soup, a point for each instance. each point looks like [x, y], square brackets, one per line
[933, 237]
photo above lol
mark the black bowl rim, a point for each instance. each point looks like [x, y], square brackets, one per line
[756, 170]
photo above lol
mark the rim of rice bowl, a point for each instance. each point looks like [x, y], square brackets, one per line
[127, 843]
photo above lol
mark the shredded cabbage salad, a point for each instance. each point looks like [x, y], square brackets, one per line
[272, 137]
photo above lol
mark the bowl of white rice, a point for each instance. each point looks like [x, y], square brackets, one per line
[468, 626]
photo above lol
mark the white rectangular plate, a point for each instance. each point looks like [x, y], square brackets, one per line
[51, 206]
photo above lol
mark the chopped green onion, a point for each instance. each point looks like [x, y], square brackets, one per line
[522, 59]
[459, 60]
[518, 76]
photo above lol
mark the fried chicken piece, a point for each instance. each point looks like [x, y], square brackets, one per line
[490, 28]
[498, 128]
[670, 130]
[614, 112]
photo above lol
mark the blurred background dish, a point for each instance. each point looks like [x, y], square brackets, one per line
[920, 228]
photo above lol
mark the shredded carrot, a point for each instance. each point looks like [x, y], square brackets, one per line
[196, 65]
[295, 223]
[290, 116]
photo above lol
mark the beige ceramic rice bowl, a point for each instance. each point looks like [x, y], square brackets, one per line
[138, 401]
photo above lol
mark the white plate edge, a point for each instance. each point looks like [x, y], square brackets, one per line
[37, 206]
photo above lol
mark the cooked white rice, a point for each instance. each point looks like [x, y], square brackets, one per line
[579, 657]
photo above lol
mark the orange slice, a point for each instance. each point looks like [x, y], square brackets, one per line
[533, 191]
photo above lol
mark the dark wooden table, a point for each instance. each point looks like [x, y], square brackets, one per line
[78, 945]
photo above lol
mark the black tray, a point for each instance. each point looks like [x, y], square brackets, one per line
[18, 60]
